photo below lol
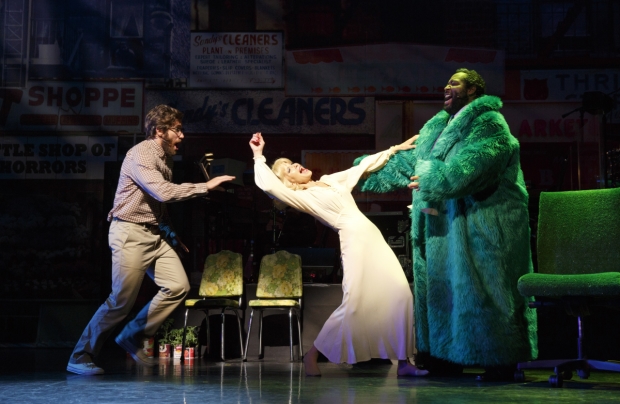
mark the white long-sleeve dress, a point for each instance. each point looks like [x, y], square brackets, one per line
[375, 319]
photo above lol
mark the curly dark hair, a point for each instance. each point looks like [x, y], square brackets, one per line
[161, 116]
[473, 79]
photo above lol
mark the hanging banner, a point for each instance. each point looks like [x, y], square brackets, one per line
[267, 111]
[56, 157]
[73, 106]
[388, 70]
[236, 60]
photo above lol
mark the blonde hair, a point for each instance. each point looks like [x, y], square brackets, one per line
[278, 170]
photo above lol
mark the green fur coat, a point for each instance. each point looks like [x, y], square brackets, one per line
[468, 258]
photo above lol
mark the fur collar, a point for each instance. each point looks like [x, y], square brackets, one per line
[430, 146]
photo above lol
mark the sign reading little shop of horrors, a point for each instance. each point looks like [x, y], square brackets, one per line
[56, 157]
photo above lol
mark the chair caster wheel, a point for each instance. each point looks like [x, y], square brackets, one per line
[556, 381]
[519, 376]
[583, 373]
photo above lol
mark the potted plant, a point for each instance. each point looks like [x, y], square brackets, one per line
[164, 339]
[191, 340]
[176, 339]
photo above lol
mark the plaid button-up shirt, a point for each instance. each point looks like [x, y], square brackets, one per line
[144, 186]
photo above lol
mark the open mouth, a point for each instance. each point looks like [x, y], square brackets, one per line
[447, 99]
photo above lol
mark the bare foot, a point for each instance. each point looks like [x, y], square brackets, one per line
[407, 369]
[311, 366]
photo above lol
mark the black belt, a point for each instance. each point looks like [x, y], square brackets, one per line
[150, 227]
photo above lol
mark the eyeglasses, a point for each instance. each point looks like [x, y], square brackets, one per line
[177, 130]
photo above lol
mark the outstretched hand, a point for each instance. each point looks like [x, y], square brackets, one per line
[407, 144]
[415, 184]
[257, 143]
[214, 183]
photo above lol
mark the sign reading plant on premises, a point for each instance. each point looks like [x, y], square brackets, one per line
[236, 60]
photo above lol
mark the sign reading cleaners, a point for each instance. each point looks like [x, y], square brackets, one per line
[267, 111]
[56, 157]
[236, 60]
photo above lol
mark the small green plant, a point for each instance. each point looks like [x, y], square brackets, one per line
[175, 336]
[162, 335]
[191, 336]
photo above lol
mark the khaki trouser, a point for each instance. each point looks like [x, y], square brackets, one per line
[136, 251]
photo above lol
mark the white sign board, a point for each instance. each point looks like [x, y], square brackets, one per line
[73, 106]
[236, 60]
[56, 157]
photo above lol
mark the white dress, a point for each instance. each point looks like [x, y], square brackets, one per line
[375, 319]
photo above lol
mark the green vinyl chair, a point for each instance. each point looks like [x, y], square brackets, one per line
[279, 287]
[578, 268]
[221, 288]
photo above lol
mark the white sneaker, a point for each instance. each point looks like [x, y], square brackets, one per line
[88, 368]
[136, 353]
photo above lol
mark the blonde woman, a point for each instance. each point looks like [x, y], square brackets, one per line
[375, 319]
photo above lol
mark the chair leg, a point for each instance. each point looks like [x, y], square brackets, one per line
[240, 333]
[208, 331]
[290, 332]
[301, 345]
[183, 341]
[222, 336]
[247, 339]
[261, 354]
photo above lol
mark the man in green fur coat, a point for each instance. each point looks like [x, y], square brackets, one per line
[470, 233]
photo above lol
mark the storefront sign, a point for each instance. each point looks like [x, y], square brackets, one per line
[56, 157]
[236, 60]
[570, 85]
[267, 111]
[68, 106]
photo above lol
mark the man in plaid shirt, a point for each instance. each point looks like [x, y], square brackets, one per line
[142, 242]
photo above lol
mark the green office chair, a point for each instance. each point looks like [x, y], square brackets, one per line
[578, 262]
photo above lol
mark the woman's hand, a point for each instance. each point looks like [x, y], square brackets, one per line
[257, 143]
[407, 144]
[414, 183]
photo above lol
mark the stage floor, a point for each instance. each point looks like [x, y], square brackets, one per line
[39, 376]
